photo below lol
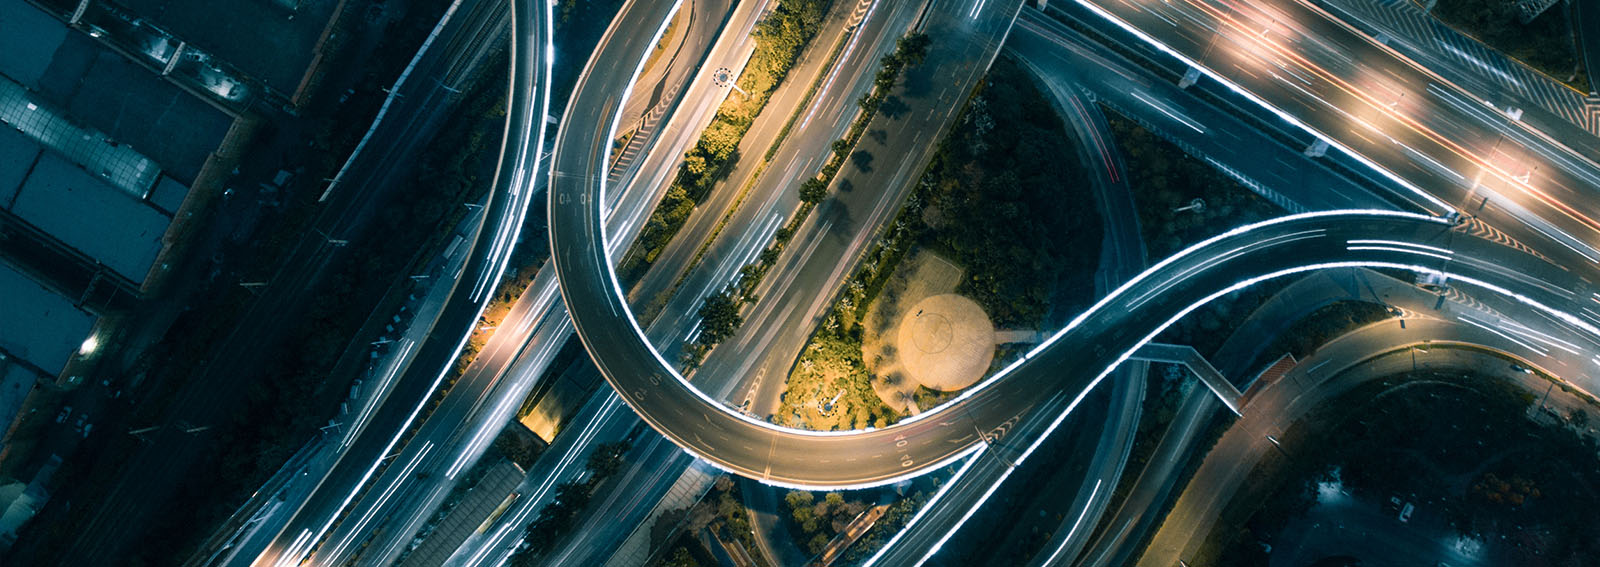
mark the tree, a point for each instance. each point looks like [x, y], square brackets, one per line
[681, 558]
[797, 499]
[606, 460]
[694, 166]
[840, 147]
[886, 76]
[869, 101]
[913, 47]
[515, 449]
[555, 518]
[813, 190]
[719, 317]
[818, 543]
[718, 141]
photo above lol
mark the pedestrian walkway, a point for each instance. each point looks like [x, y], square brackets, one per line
[1428, 38]
[1198, 365]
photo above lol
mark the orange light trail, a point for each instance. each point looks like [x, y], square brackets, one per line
[1277, 48]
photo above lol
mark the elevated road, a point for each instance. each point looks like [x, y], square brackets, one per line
[1448, 147]
[710, 430]
[1067, 365]
[417, 109]
[510, 197]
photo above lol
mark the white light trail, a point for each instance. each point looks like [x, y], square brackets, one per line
[976, 451]
[1394, 249]
[1402, 244]
[822, 94]
[1075, 525]
[1440, 205]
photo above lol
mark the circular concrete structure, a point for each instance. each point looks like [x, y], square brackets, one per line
[946, 342]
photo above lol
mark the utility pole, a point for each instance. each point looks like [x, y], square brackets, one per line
[339, 242]
[1276, 445]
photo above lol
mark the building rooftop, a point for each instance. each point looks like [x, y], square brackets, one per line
[42, 328]
[270, 40]
[17, 153]
[83, 212]
[16, 381]
[169, 195]
[102, 91]
[117, 164]
[134, 107]
[29, 38]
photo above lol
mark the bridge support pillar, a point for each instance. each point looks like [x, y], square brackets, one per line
[1202, 369]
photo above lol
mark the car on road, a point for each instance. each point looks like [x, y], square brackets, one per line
[65, 413]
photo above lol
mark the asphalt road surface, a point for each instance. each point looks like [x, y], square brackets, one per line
[154, 473]
[510, 198]
[1116, 326]
[1449, 148]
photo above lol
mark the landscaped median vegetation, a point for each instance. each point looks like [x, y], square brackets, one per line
[1002, 199]
[779, 39]
[814, 522]
[556, 518]
[1166, 183]
[719, 314]
[685, 537]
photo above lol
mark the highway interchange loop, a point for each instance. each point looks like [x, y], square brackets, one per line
[1065, 367]
[1070, 363]
[1062, 369]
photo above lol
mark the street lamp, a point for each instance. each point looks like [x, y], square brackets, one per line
[89, 345]
[1197, 205]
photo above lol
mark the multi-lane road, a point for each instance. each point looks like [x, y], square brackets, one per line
[1452, 149]
[1449, 149]
[779, 456]
[1065, 366]
[416, 110]
[306, 526]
